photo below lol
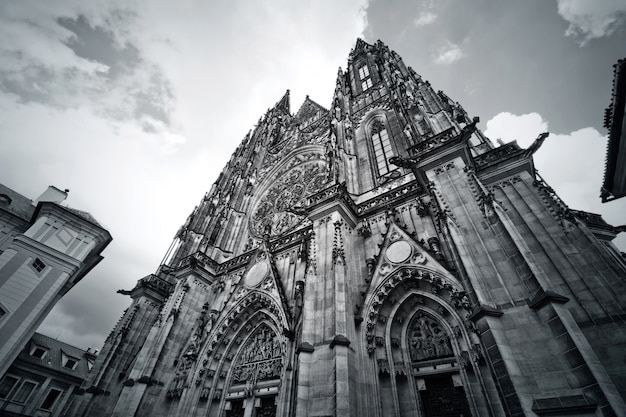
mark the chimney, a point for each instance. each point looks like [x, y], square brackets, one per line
[52, 195]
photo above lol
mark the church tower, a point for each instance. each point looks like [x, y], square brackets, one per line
[377, 258]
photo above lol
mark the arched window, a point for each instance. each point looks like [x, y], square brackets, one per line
[382, 147]
[364, 76]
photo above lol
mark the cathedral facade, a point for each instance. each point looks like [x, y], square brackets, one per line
[378, 258]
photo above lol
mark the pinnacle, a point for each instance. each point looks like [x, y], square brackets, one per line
[283, 103]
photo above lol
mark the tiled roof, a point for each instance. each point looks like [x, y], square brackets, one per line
[19, 205]
[54, 358]
[84, 215]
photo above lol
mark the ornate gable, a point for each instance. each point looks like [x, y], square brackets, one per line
[399, 250]
[309, 112]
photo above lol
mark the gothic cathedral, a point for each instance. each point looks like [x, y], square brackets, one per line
[378, 258]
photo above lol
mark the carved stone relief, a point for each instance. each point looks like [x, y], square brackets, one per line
[261, 359]
[427, 340]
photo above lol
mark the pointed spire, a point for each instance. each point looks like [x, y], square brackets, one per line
[283, 103]
[361, 46]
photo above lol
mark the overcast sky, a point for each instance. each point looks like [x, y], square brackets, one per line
[136, 106]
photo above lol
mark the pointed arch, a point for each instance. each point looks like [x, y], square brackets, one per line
[419, 340]
[209, 383]
[380, 141]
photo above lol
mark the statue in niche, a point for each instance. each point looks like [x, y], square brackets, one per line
[332, 156]
[427, 340]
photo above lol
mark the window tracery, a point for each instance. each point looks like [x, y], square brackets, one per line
[382, 147]
[364, 76]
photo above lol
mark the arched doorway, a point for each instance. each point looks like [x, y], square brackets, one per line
[434, 368]
[255, 378]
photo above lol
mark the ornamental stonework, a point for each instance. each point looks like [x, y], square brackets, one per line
[427, 340]
[274, 212]
[261, 359]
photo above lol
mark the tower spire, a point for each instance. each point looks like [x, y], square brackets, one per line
[283, 103]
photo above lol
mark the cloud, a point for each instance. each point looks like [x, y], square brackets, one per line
[590, 19]
[70, 56]
[139, 108]
[571, 163]
[424, 18]
[448, 54]
[509, 127]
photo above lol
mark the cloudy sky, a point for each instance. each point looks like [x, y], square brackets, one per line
[136, 106]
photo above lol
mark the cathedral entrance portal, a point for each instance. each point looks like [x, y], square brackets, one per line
[256, 376]
[442, 399]
[441, 392]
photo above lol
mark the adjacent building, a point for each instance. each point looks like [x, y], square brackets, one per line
[43, 378]
[379, 257]
[614, 185]
[45, 249]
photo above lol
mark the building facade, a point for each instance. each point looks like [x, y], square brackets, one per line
[42, 379]
[614, 183]
[45, 249]
[378, 258]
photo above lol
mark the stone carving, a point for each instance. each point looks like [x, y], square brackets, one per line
[261, 359]
[274, 212]
[427, 340]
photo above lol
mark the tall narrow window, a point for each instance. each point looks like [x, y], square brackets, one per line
[382, 147]
[364, 76]
[51, 399]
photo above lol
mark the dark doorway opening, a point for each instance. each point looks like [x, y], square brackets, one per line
[443, 399]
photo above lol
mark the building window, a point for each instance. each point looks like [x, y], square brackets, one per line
[382, 147]
[38, 265]
[24, 392]
[364, 76]
[51, 399]
[38, 352]
[5, 200]
[6, 385]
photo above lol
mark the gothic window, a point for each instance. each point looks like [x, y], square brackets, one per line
[382, 147]
[364, 76]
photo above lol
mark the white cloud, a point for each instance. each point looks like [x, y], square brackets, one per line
[425, 18]
[589, 19]
[449, 54]
[509, 127]
[570, 163]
